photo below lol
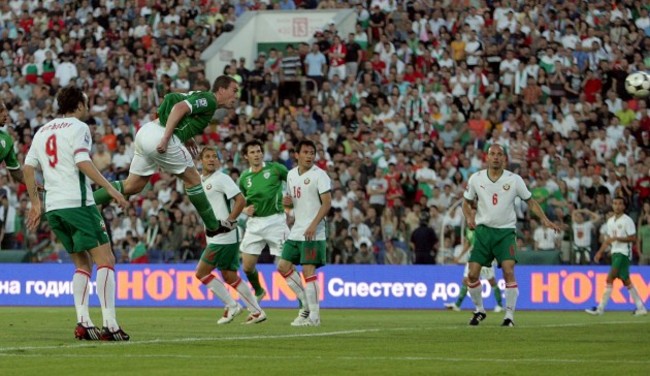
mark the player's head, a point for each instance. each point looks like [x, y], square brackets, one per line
[71, 101]
[227, 91]
[306, 153]
[618, 205]
[254, 152]
[209, 160]
[496, 157]
[4, 114]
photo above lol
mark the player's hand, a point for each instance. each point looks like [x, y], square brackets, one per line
[471, 222]
[310, 233]
[162, 146]
[249, 210]
[286, 201]
[192, 147]
[549, 224]
[118, 197]
[34, 217]
[598, 256]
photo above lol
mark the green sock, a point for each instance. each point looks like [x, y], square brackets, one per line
[461, 295]
[102, 197]
[497, 295]
[200, 201]
[254, 279]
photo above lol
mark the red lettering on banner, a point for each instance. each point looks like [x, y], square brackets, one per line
[539, 288]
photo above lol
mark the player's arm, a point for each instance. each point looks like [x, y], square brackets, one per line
[469, 213]
[326, 204]
[539, 212]
[237, 208]
[34, 216]
[88, 168]
[177, 113]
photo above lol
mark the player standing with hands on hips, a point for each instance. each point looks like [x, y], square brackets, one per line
[309, 193]
[495, 221]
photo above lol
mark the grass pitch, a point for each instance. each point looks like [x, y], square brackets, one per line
[40, 341]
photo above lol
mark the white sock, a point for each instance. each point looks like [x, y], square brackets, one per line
[512, 292]
[635, 296]
[311, 291]
[294, 282]
[605, 299]
[246, 295]
[106, 293]
[219, 289]
[475, 293]
[81, 290]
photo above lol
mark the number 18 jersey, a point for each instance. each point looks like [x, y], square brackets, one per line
[57, 148]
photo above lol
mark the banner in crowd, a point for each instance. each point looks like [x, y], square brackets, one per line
[347, 286]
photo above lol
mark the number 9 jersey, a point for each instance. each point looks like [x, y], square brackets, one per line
[57, 148]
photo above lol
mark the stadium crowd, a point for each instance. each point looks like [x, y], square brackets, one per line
[402, 109]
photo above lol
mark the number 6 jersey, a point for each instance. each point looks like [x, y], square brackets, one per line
[57, 148]
[496, 200]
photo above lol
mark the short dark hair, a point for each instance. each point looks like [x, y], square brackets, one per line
[252, 143]
[303, 143]
[222, 82]
[69, 99]
[206, 149]
[620, 198]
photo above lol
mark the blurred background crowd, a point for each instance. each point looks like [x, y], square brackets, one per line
[403, 110]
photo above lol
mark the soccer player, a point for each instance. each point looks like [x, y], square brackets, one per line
[261, 184]
[164, 143]
[495, 189]
[61, 149]
[7, 153]
[222, 250]
[621, 234]
[308, 192]
[486, 273]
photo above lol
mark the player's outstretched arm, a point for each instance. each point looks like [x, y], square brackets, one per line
[89, 169]
[34, 216]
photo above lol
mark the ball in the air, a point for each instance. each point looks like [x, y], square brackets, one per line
[637, 84]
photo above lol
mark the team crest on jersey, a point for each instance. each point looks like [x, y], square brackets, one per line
[267, 174]
[102, 225]
[208, 187]
[307, 181]
[506, 187]
[3, 143]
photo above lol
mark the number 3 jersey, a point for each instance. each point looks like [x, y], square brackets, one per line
[305, 191]
[57, 148]
[496, 200]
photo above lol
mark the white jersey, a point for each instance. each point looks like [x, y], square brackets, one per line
[621, 227]
[57, 148]
[220, 190]
[305, 191]
[496, 200]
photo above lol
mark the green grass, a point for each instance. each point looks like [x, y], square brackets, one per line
[40, 341]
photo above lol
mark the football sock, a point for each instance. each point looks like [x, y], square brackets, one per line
[635, 297]
[605, 299]
[200, 201]
[294, 282]
[311, 290]
[497, 295]
[219, 289]
[512, 292]
[461, 295]
[106, 293]
[102, 197]
[81, 290]
[246, 295]
[475, 293]
[254, 279]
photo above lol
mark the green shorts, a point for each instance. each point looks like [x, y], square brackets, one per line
[620, 266]
[491, 243]
[222, 256]
[305, 252]
[78, 229]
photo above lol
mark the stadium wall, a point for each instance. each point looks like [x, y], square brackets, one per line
[344, 286]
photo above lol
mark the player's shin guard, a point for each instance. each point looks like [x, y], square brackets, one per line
[246, 295]
[200, 201]
[81, 290]
[106, 293]
[311, 291]
[461, 295]
[475, 293]
[102, 197]
[294, 282]
[219, 289]
[512, 292]
[605, 298]
[497, 295]
[254, 279]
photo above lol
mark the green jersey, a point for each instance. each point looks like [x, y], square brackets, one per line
[263, 189]
[202, 105]
[7, 153]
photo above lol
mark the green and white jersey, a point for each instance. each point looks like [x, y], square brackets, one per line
[221, 190]
[305, 191]
[263, 189]
[496, 199]
[202, 106]
[57, 148]
[621, 227]
[7, 152]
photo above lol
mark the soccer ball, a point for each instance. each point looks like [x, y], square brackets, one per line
[638, 84]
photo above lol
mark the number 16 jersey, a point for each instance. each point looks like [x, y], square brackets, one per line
[57, 148]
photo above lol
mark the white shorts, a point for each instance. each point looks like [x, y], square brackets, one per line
[260, 231]
[487, 272]
[146, 159]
